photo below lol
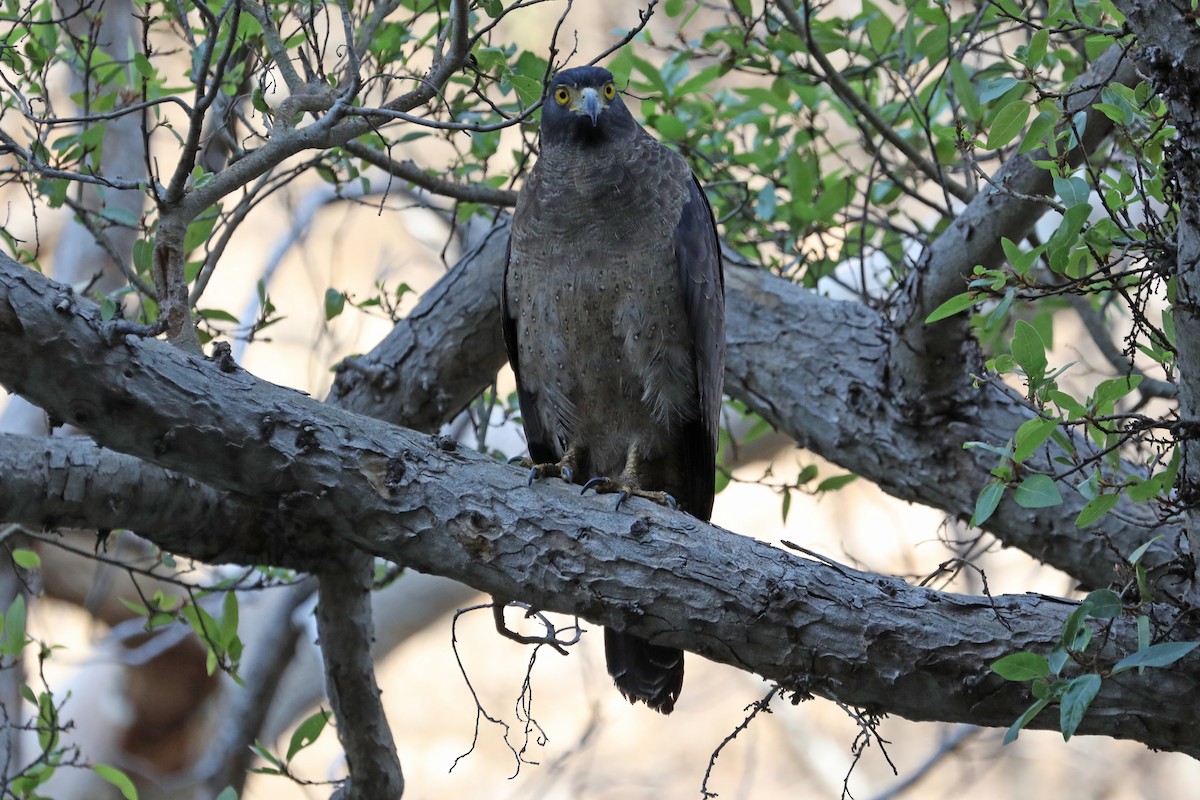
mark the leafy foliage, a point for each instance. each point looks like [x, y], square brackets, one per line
[1075, 693]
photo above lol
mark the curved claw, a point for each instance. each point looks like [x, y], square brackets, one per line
[671, 502]
[621, 497]
[593, 482]
[566, 474]
[533, 473]
[516, 459]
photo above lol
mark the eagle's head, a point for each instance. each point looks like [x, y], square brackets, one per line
[584, 108]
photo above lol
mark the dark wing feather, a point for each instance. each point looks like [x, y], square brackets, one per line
[702, 278]
[541, 449]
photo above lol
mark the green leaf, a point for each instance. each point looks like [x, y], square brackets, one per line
[108, 308]
[836, 482]
[1037, 491]
[964, 92]
[985, 504]
[1073, 625]
[1096, 508]
[118, 779]
[1040, 129]
[1143, 490]
[528, 89]
[26, 559]
[216, 315]
[1036, 50]
[260, 749]
[335, 303]
[1073, 191]
[229, 619]
[1156, 655]
[960, 302]
[199, 231]
[307, 732]
[48, 723]
[1075, 701]
[1014, 730]
[1009, 121]
[14, 627]
[1003, 452]
[1108, 392]
[1021, 667]
[228, 793]
[671, 127]
[143, 66]
[1031, 434]
[1058, 659]
[1103, 604]
[764, 207]
[1137, 554]
[1028, 350]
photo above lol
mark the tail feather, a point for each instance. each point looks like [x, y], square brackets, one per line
[644, 672]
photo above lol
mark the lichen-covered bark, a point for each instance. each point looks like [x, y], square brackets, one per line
[863, 639]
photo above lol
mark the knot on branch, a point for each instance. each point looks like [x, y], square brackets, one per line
[315, 96]
[222, 356]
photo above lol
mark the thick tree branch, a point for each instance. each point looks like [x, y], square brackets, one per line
[863, 639]
[1170, 56]
[70, 482]
[443, 354]
[450, 340]
[347, 630]
[926, 361]
[844, 410]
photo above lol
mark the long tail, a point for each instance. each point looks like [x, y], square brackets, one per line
[644, 672]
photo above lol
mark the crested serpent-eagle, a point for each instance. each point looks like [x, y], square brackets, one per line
[614, 320]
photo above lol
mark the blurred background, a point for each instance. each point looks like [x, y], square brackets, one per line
[571, 735]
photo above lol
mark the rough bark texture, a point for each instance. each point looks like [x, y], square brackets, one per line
[70, 482]
[344, 621]
[829, 393]
[1175, 73]
[438, 358]
[865, 640]
[928, 359]
[842, 409]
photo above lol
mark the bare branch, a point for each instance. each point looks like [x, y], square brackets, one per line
[847, 95]
[408, 170]
[344, 620]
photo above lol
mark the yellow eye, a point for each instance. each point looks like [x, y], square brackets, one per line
[610, 91]
[562, 96]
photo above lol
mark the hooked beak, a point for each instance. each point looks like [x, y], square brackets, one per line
[590, 103]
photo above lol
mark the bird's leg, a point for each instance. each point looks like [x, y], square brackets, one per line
[627, 485]
[564, 468]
